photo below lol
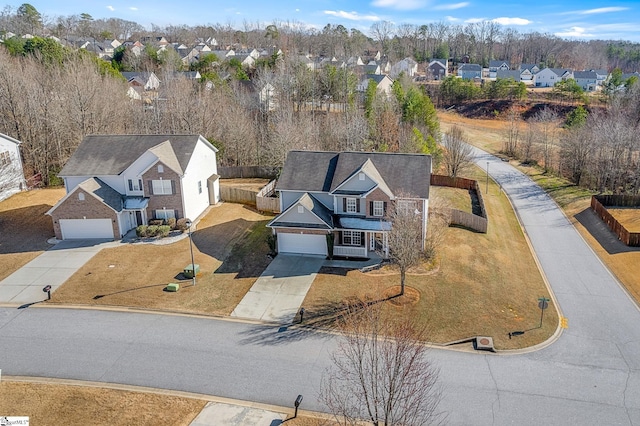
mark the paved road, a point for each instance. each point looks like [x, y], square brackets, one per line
[589, 376]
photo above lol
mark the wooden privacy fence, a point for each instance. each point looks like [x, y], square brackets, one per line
[265, 202]
[248, 172]
[478, 223]
[599, 203]
[237, 195]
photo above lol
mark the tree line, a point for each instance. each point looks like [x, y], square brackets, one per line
[477, 42]
[50, 105]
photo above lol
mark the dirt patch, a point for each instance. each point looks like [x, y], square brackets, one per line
[411, 296]
[25, 227]
[229, 245]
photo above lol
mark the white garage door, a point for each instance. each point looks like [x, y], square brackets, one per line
[302, 243]
[74, 229]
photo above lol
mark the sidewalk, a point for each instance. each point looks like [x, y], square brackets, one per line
[218, 413]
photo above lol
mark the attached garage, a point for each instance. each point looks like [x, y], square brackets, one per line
[302, 243]
[76, 229]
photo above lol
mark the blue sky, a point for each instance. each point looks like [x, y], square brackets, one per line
[585, 20]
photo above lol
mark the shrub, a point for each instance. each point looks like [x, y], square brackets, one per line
[141, 231]
[163, 230]
[152, 230]
[172, 223]
[271, 242]
[181, 224]
[156, 222]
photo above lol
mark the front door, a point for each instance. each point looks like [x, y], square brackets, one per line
[139, 218]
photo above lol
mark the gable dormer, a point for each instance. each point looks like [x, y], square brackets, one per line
[350, 195]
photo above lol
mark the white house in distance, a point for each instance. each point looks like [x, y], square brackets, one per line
[117, 182]
[11, 173]
[549, 77]
[383, 81]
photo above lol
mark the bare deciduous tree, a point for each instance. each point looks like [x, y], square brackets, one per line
[458, 154]
[406, 237]
[510, 144]
[380, 373]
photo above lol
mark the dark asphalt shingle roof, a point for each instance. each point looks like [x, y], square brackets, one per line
[313, 171]
[103, 155]
[103, 192]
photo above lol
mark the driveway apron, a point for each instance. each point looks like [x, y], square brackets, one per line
[277, 294]
[53, 267]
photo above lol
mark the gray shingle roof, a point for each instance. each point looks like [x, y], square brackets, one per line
[103, 155]
[313, 171]
[585, 74]
[103, 192]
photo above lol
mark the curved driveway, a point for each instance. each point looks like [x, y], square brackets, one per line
[589, 376]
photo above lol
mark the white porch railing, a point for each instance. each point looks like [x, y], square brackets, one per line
[349, 251]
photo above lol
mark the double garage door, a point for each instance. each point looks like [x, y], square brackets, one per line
[302, 243]
[78, 229]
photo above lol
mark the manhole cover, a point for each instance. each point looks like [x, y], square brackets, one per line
[484, 341]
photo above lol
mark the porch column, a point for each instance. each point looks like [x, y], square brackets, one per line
[385, 244]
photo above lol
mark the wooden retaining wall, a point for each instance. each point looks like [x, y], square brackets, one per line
[599, 205]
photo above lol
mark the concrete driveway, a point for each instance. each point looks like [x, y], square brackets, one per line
[53, 267]
[277, 294]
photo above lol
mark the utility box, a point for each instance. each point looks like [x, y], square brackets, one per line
[173, 287]
[191, 270]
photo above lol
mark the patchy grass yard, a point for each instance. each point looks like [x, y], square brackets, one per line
[62, 404]
[229, 245]
[250, 184]
[25, 227]
[454, 198]
[482, 284]
[51, 404]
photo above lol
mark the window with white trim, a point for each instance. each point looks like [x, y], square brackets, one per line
[161, 187]
[300, 209]
[160, 168]
[135, 184]
[5, 158]
[81, 196]
[360, 176]
[351, 205]
[165, 214]
[378, 208]
[351, 238]
[199, 187]
[407, 206]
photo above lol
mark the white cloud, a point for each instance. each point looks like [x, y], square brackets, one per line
[133, 8]
[111, 8]
[297, 10]
[451, 19]
[474, 20]
[512, 21]
[574, 32]
[603, 10]
[353, 16]
[400, 4]
[452, 6]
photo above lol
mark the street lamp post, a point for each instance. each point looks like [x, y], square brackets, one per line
[193, 265]
[486, 191]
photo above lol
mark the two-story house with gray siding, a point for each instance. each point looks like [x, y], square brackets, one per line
[341, 200]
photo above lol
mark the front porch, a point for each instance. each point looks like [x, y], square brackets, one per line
[361, 244]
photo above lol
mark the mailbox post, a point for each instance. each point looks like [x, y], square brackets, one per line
[47, 289]
[297, 404]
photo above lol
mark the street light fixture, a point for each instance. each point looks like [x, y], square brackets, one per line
[193, 265]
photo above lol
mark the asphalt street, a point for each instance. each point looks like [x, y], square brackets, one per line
[589, 376]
